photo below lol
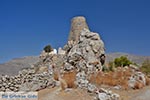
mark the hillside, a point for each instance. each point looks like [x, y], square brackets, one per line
[12, 67]
[134, 58]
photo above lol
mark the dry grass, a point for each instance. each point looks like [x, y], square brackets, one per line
[56, 76]
[70, 78]
[118, 77]
[63, 84]
[56, 72]
[138, 85]
[147, 81]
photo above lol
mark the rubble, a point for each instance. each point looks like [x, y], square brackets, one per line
[91, 88]
[81, 80]
[137, 80]
[38, 81]
[26, 80]
[103, 94]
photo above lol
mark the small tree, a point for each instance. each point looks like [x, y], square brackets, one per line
[48, 48]
[122, 61]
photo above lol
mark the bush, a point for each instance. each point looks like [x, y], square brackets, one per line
[48, 48]
[146, 67]
[122, 61]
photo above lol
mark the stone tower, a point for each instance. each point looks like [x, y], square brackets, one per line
[77, 25]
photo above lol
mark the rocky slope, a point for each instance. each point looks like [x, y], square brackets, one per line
[14, 66]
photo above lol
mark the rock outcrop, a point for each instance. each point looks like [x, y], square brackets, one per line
[84, 43]
[137, 80]
[88, 54]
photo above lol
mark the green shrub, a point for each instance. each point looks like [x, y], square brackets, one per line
[122, 61]
[146, 67]
[48, 48]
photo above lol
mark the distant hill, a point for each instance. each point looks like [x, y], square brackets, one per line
[134, 58]
[12, 67]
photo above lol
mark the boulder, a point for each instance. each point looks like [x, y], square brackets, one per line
[91, 88]
[68, 67]
[103, 94]
[137, 80]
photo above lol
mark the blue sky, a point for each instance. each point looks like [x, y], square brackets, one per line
[26, 26]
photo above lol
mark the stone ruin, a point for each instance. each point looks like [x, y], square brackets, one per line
[77, 25]
[84, 54]
[85, 49]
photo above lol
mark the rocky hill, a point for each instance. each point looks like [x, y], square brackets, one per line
[15, 65]
[77, 68]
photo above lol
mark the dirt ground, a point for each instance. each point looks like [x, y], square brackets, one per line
[79, 94]
[70, 94]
